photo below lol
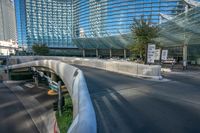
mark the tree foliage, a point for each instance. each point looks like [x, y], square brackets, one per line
[143, 33]
[40, 49]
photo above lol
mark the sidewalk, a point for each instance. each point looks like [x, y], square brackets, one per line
[179, 68]
[37, 103]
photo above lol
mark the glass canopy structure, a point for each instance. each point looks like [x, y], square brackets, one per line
[181, 34]
[182, 29]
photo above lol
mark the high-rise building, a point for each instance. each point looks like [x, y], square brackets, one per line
[44, 22]
[100, 18]
[69, 23]
[7, 21]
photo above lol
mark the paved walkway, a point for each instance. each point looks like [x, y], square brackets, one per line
[126, 104]
[37, 105]
[179, 67]
[14, 117]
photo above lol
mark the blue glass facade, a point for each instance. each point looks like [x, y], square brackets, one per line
[97, 18]
[63, 23]
[20, 22]
[45, 22]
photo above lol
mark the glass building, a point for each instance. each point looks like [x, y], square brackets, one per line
[46, 22]
[105, 24]
[7, 21]
[98, 18]
[92, 24]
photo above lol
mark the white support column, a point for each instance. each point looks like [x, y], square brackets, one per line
[185, 56]
[110, 53]
[83, 52]
[97, 53]
[124, 53]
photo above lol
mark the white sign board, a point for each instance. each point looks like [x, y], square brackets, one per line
[150, 54]
[157, 54]
[164, 54]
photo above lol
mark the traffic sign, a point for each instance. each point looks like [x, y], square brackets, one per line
[150, 53]
[164, 54]
[157, 54]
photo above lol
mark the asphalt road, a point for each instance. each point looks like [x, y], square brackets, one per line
[132, 105]
[122, 104]
[14, 118]
[22, 109]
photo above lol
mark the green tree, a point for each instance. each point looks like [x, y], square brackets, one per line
[143, 33]
[40, 49]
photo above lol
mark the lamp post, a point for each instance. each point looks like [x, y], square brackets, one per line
[7, 65]
[59, 98]
[185, 42]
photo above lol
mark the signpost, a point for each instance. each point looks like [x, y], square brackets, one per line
[164, 54]
[150, 53]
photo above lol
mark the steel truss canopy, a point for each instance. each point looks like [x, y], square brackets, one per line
[192, 2]
[183, 29]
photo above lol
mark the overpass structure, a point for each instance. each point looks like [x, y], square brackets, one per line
[123, 67]
[128, 104]
[84, 119]
[83, 112]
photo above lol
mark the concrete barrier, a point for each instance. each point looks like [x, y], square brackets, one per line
[84, 120]
[123, 67]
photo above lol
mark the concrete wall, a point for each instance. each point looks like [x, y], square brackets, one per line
[123, 67]
[84, 120]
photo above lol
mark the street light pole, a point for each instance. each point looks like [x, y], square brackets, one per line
[7, 65]
[59, 98]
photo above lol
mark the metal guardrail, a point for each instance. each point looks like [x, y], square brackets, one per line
[84, 119]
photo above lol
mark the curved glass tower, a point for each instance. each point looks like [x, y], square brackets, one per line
[98, 18]
[44, 22]
[105, 24]
[86, 23]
